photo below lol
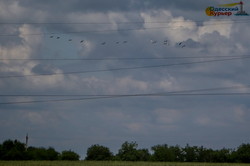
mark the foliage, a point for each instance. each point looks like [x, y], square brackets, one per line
[109, 163]
[166, 153]
[15, 150]
[42, 154]
[98, 152]
[69, 155]
[12, 150]
[191, 153]
[143, 155]
[129, 152]
[243, 153]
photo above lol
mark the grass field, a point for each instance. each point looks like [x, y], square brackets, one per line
[108, 163]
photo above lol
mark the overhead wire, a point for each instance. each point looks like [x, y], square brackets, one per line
[125, 96]
[121, 29]
[125, 22]
[124, 68]
[94, 97]
[121, 59]
[159, 93]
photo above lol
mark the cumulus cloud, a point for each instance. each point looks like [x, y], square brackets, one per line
[240, 114]
[166, 116]
[130, 117]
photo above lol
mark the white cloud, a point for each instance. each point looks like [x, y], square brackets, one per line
[115, 115]
[240, 114]
[236, 86]
[223, 116]
[30, 44]
[31, 36]
[120, 85]
[85, 48]
[211, 122]
[130, 84]
[169, 84]
[222, 27]
[167, 116]
[205, 121]
[11, 9]
[115, 118]
[44, 119]
[176, 29]
[136, 127]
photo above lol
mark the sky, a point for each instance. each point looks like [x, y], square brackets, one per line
[83, 72]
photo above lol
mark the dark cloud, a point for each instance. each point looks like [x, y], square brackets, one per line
[43, 69]
[149, 120]
[56, 6]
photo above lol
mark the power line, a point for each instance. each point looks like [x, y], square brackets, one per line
[105, 95]
[125, 22]
[183, 93]
[120, 59]
[114, 30]
[125, 96]
[125, 68]
[86, 31]
[162, 94]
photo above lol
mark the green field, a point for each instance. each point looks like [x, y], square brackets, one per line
[108, 163]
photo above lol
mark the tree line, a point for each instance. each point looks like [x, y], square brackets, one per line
[15, 150]
[129, 151]
[164, 153]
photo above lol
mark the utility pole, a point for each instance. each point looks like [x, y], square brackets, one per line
[26, 142]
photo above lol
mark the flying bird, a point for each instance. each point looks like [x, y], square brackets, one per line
[165, 42]
[153, 41]
[103, 43]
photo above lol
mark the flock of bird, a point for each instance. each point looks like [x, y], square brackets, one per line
[165, 42]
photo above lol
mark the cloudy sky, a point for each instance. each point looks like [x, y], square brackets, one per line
[83, 72]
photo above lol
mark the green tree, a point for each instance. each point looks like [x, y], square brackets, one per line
[69, 155]
[221, 156]
[191, 153]
[98, 152]
[52, 154]
[15, 150]
[12, 150]
[163, 153]
[1, 151]
[205, 155]
[243, 153]
[178, 153]
[128, 151]
[42, 154]
[233, 157]
[143, 155]
[160, 152]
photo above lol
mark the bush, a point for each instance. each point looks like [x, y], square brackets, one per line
[99, 153]
[69, 155]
